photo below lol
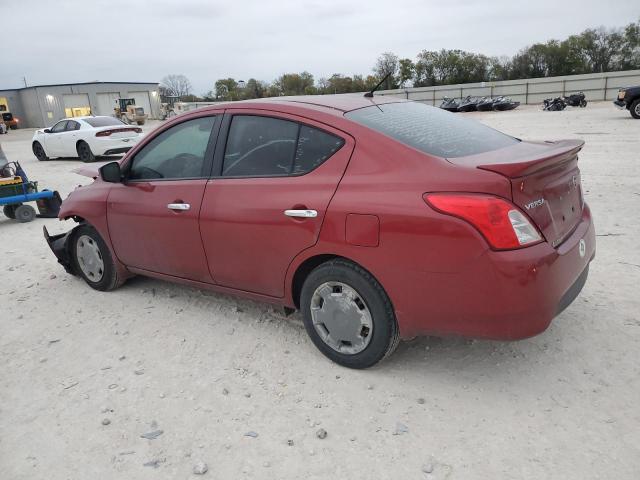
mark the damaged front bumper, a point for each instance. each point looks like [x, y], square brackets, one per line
[620, 104]
[59, 245]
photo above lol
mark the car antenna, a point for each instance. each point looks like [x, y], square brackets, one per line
[370, 93]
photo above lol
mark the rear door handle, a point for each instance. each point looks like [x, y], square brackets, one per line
[301, 213]
[178, 206]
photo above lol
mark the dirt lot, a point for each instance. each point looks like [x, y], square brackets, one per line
[238, 386]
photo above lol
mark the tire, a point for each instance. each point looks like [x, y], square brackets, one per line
[583, 103]
[25, 213]
[105, 276]
[84, 152]
[10, 211]
[38, 151]
[357, 292]
[635, 108]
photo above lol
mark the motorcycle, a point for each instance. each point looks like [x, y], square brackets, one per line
[554, 104]
[576, 100]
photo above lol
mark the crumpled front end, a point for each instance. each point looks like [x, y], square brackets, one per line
[59, 245]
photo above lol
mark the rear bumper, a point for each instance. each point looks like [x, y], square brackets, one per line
[113, 146]
[116, 151]
[500, 295]
[59, 245]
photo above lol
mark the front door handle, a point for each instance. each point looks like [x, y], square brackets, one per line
[178, 206]
[301, 213]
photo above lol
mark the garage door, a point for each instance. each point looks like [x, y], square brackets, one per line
[76, 105]
[142, 100]
[107, 101]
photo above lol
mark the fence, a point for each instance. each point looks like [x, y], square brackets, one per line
[596, 86]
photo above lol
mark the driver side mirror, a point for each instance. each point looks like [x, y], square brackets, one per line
[47, 130]
[111, 172]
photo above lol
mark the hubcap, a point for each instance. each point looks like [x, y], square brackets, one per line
[89, 258]
[341, 318]
[638, 109]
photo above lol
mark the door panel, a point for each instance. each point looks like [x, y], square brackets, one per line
[146, 234]
[248, 240]
[53, 140]
[153, 216]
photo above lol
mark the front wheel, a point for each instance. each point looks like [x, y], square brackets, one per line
[635, 109]
[92, 259]
[583, 103]
[348, 315]
[39, 152]
[84, 152]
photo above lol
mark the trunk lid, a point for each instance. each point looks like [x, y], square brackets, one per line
[545, 182]
[119, 131]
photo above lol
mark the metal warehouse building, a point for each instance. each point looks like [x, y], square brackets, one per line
[43, 105]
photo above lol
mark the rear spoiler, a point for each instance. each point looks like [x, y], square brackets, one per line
[526, 158]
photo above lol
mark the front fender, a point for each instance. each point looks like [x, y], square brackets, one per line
[88, 205]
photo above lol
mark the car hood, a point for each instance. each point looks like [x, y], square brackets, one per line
[90, 170]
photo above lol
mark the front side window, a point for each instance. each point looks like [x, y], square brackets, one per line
[176, 153]
[59, 127]
[264, 146]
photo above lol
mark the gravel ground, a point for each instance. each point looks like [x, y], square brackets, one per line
[156, 380]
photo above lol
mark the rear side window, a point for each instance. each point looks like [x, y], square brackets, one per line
[431, 130]
[71, 125]
[176, 153]
[264, 146]
[314, 147]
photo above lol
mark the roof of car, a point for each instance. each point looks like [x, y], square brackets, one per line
[340, 103]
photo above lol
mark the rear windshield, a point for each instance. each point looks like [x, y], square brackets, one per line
[103, 121]
[431, 130]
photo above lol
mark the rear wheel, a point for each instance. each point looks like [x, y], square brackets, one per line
[25, 213]
[92, 260]
[84, 152]
[635, 108]
[39, 152]
[348, 315]
[10, 211]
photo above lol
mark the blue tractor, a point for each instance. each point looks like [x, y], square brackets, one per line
[16, 190]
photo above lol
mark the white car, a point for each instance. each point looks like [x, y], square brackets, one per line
[85, 137]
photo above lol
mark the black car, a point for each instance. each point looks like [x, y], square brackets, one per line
[629, 98]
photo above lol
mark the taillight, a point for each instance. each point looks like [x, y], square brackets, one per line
[106, 133]
[503, 225]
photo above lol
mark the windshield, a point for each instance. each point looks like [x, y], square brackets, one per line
[103, 121]
[431, 130]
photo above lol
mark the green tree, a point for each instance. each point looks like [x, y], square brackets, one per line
[387, 64]
[226, 89]
[406, 71]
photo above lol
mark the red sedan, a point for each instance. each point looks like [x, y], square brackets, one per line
[379, 219]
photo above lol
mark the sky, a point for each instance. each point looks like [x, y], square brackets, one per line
[65, 41]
